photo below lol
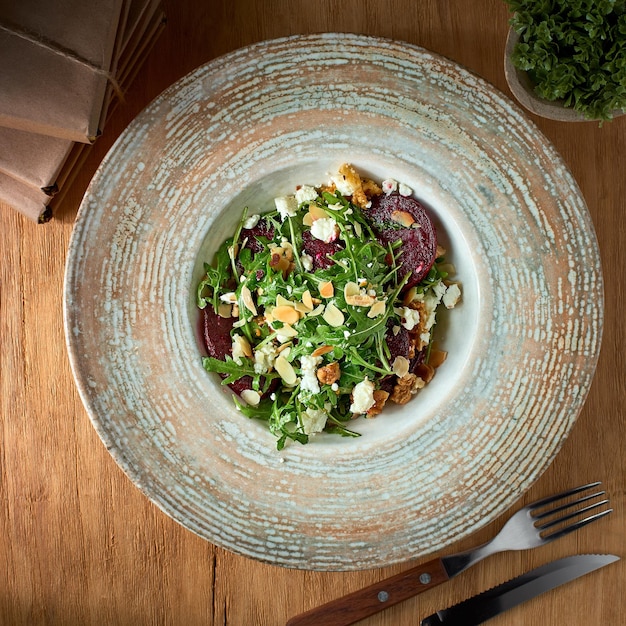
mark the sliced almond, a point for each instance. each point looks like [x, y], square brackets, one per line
[285, 370]
[246, 296]
[333, 315]
[287, 331]
[282, 301]
[378, 308]
[400, 366]
[403, 218]
[318, 310]
[225, 310]
[351, 289]
[251, 397]
[327, 289]
[244, 344]
[285, 314]
[288, 250]
[307, 300]
[409, 296]
[437, 357]
[360, 300]
[322, 350]
[317, 213]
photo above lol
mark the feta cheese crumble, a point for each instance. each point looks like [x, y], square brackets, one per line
[452, 296]
[308, 367]
[287, 206]
[389, 185]
[306, 193]
[313, 420]
[362, 397]
[324, 229]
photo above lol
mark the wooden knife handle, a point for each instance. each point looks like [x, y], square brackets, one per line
[375, 598]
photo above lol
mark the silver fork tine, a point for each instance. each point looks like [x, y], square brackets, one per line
[560, 496]
[572, 515]
[577, 525]
[568, 505]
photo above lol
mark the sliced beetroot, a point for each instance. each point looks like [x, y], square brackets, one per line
[399, 343]
[218, 343]
[262, 229]
[319, 250]
[415, 255]
[395, 217]
[386, 209]
[216, 332]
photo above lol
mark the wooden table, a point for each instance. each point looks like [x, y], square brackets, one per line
[79, 544]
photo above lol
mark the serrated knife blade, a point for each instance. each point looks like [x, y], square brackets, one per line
[484, 606]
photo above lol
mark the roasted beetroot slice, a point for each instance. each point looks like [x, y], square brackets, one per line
[391, 218]
[416, 254]
[218, 343]
[386, 209]
[319, 250]
[399, 344]
[262, 229]
[216, 333]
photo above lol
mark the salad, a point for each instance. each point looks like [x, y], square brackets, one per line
[324, 309]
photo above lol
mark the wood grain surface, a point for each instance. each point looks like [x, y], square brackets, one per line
[79, 544]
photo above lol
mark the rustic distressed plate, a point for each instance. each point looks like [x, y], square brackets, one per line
[522, 345]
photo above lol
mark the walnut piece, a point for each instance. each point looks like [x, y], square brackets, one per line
[405, 388]
[380, 397]
[329, 374]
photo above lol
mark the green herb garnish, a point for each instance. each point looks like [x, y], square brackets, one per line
[574, 51]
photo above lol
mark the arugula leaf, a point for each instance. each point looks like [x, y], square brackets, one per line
[573, 51]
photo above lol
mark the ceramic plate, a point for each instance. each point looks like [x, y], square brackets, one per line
[522, 344]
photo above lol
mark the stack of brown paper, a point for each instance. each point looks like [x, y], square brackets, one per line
[66, 64]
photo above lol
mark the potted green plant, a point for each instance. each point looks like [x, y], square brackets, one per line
[566, 59]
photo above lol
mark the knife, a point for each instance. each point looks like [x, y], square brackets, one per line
[488, 604]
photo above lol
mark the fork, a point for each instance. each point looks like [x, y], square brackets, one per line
[534, 525]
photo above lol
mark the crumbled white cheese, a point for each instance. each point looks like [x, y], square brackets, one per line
[306, 193]
[404, 190]
[308, 366]
[307, 261]
[264, 358]
[325, 229]
[439, 289]
[410, 317]
[252, 221]
[362, 397]
[287, 206]
[452, 295]
[389, 185]
[313, 420]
